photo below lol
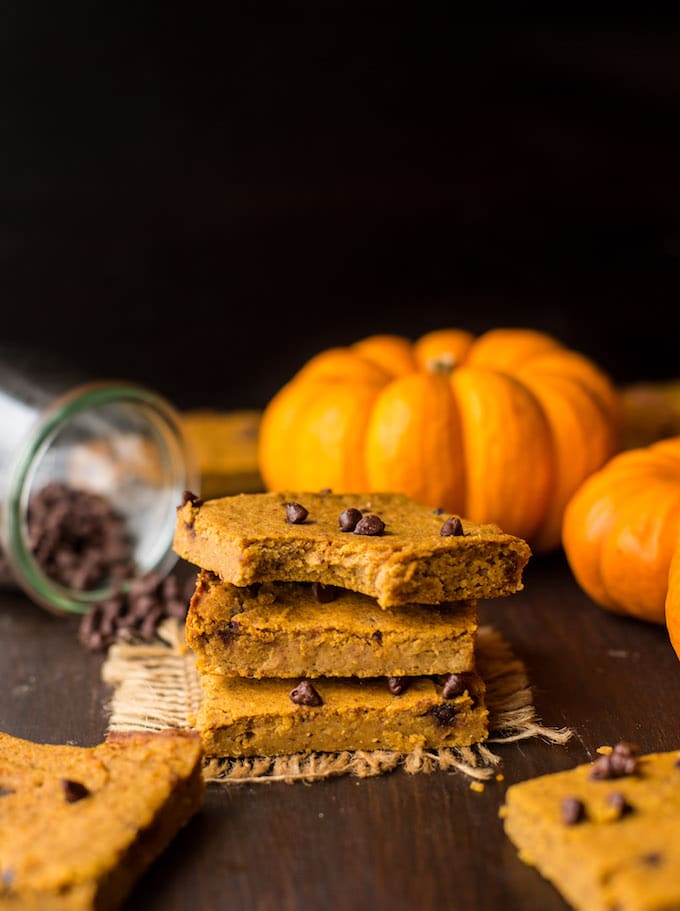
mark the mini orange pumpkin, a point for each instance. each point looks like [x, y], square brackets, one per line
[672, 606]
[500, 428]
[621, 528]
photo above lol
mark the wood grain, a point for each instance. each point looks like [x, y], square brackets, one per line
[397, 842]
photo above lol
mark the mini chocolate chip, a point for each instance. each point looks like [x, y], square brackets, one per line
[618, 802]
[452, 527]
[397, 685]
[5, 791]
[227, 633]
[445, 714]
[572, 810]
[377, 637]
[652, 859]
[74, 790]
[348, 518]
[438, 511]
[455, 685]
[624, 748]
[189, 497]
[369, 524]
[614, 765]
[305, 694]
[324, 593]
[295, 513]
[7, 877]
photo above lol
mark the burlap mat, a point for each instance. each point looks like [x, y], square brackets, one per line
[157, 686]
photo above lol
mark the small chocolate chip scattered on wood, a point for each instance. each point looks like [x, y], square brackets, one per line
[348, 519]
[619, 804]
[74, 790]
[397, 685]
[305, 694]
[135, 614]
[295, 513]
[189, 497]
[455, 685]
[324, 593]
[452, 527]
[572, 811]
[369, 524]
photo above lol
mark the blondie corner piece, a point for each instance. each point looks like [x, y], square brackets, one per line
[79, 825]
[409, 554]
[295, 629]
[241, 717]
[606, 834]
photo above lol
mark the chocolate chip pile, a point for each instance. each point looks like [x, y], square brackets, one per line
[134, 614]
[77, 538]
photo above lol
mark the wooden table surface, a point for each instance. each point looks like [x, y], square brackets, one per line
[396, 842]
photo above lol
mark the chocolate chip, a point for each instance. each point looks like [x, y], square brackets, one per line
[452, 526]
[624, 748]
[227, 633]
[189, 497]
[136, 614]
[369, 524]
[572, 811]
[324, 593]
[445, 714]
[618, 802]
[305, 694]
[5, 791]
[74, 790]
[615, 765]
[397, 685]
[652, 859]
[377, 636]
[7, 877]
[455, 685]
[348, 518]
[77, 538]
[438, 511]
[295, 513]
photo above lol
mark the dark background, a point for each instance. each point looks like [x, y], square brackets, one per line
[201, 205]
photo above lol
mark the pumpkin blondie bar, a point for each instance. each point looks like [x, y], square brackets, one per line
[606, 834]
[384, 545]
[79, 825]
[295, 629]
[269, 717]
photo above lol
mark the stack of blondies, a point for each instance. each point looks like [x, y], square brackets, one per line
[331, 622]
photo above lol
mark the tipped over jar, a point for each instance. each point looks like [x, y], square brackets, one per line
[91, 473]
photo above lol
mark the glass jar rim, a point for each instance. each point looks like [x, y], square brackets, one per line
[25, 569]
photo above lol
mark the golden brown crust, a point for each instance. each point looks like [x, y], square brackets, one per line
[281, 629]
[79, 825]
[616, 840]
[247, 538]
[242, 717]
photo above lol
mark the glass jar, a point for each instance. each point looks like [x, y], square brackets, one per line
[107, 437]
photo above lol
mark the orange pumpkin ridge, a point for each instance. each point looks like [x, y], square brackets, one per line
[501, 427]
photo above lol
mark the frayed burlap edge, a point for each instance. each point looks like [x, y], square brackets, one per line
[156, 686]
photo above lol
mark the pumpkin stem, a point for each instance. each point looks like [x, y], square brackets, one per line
[443, 363]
